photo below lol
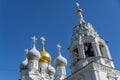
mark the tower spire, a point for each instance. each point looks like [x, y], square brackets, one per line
[79, 12]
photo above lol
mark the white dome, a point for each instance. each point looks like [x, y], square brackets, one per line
[33, 54]
[51, 70]
[60, 60]
[24, 64]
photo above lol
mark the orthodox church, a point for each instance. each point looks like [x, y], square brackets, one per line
[89, 55]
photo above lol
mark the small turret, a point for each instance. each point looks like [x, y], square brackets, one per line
[33, 59]
[33, 53]
[44, 61]
[24, 65]
[45, 56]
[24, 68]
[60, 63]
[51, 72]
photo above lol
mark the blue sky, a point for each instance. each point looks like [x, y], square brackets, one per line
[53, 19]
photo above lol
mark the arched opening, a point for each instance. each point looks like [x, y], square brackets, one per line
[103, 50]
[40, 69]
[76, 54]
[88, 50]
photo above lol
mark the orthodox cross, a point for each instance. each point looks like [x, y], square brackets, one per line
[59, 48]
[43, 40]
[34, 40]
[26, 51]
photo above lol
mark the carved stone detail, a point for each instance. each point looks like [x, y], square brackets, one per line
[83, 30]
[106, 69]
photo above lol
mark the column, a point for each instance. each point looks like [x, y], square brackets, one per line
[96, 49]
[81, 51]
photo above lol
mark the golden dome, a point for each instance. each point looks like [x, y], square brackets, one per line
[45, 56]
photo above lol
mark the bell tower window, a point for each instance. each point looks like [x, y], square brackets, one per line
[76, 54]
[103, 50]
[88, 50]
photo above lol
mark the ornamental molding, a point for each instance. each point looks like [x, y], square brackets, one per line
[80, 73]
[96, 67]
[106, 69]
[84, 30]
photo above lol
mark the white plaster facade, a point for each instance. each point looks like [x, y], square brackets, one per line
[95, 71]
[89, 55]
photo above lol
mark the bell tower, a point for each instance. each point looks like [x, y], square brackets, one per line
[87, 46]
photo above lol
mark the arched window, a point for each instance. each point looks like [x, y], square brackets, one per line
[103, 50]
[40, 69]
[76, 54]
[88, 50]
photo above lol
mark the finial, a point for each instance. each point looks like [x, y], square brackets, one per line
[79, 10]
[78, 5]
[43, 40]
[34, 40]
[26, 51]
[59, 49]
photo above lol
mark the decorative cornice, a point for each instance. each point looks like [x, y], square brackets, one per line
[96, 67]
[106, 69]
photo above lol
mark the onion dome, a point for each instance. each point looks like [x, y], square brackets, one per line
[51, 70]
[24, 64]
[60, 60]
[45, 56]
[33, 53]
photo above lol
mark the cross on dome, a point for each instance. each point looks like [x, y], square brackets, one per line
[34, 40]
[59, 48]
[79, 10]
[43, 39]
[78, 5]
[26, 51]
